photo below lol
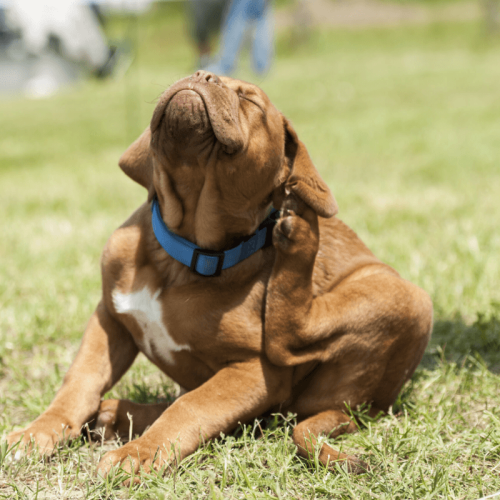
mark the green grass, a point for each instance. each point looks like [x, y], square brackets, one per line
[404, 124]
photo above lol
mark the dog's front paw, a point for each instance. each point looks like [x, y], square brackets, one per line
[296, 232]
[43, 436]
[134, 456]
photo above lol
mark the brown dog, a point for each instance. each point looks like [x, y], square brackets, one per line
[308, 324]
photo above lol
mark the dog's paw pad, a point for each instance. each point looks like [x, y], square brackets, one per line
[295, 235]
[286, 227]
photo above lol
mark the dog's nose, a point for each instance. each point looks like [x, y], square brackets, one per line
[206, 76]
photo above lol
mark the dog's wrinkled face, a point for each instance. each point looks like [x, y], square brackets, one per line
[217, 154]
[219, 142]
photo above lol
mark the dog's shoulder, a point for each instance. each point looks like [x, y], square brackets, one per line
[126, 251]
[126, 244]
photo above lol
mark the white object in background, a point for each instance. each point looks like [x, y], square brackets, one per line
[71, 21]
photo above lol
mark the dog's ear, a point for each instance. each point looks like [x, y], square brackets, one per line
[304, 180]
[137, 162]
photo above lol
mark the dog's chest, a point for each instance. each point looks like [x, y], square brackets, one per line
[146, 309]
[171, 325]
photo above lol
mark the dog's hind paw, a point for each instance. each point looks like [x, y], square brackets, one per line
[296, 232]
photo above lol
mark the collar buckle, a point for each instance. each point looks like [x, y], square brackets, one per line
[208, 254]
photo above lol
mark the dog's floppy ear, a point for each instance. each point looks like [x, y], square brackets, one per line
[304, 180]
[137, 162]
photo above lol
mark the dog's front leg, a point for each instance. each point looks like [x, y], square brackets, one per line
[235, 394]
[106, 352]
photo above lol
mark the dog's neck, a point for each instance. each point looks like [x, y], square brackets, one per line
[207, 262]
[195, 205]
[220, 233]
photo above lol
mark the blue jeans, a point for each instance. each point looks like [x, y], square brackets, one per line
[242, 15]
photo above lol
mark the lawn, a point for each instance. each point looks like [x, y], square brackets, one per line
[404, 124]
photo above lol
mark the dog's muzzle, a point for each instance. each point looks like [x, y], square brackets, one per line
[186, 116]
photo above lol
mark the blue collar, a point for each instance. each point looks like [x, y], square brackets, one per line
[210, 262]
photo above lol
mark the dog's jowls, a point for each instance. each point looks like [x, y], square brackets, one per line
[309, 325]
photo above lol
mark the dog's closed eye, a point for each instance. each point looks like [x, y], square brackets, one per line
[246, 98]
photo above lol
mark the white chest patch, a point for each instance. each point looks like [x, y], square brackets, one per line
[147, 311]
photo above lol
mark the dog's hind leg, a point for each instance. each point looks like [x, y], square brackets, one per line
[370, 310]
[331, 423]
[125, 418]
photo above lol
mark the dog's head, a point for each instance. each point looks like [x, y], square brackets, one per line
[217, 154]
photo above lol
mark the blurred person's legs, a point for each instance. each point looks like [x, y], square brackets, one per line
[231, 37]
[241, 15]
[263, 47]
[206, 19]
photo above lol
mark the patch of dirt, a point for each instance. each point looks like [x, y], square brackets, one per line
[366, 13]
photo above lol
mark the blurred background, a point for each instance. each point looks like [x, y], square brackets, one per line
[398, 102]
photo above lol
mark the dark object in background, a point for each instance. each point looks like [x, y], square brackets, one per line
[6, 35]
[492, 15]
[205, 17]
